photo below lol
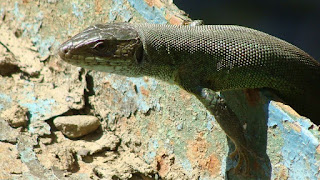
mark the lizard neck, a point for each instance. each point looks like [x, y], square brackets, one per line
[168, 52]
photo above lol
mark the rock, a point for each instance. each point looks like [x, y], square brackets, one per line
[40, 127]
[76, 126]
[91, 145]
[16, 116]
[66, 158]
[7, 133]
[10, 163]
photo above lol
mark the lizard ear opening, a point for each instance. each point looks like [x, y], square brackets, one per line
[139, 54]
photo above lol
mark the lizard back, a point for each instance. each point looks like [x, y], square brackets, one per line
[224, 58]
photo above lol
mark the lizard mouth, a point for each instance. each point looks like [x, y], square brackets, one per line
[65, 53]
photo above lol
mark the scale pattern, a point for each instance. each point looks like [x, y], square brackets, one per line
[235, 57]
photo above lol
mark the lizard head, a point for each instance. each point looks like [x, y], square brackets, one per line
[114, 48]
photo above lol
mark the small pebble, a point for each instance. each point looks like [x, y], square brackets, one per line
[76, 126]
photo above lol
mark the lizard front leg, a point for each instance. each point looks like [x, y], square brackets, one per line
[231, 125]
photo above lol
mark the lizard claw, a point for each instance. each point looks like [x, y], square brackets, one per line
[243, 166]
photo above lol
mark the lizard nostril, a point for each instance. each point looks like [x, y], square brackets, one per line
[63, 51]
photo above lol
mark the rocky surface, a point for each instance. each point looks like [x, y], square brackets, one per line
[51, 124]
[139, 128]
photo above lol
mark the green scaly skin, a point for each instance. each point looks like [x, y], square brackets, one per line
[203, 60]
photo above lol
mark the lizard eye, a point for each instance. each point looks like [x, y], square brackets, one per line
[99, 46]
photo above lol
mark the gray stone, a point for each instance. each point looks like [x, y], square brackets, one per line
[76, 126]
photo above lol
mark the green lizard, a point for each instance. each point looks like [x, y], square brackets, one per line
[203, 60]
